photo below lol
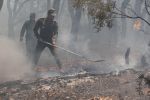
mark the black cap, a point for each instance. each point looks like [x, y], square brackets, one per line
[51, 11]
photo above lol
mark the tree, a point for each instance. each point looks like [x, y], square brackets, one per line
[48, 4]
[133, 13]
[102, 11]
[75, 13]
[124, 6]
[56, 5]
[14, 7]
[99, 10]
[19, 10]
[1, 4]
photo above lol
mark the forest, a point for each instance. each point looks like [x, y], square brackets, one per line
[55, 49]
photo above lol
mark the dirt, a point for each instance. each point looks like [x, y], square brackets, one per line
[83, 86]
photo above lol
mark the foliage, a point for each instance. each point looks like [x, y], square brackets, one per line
[99, 10]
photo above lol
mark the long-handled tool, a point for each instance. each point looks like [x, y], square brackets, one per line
[71, 52]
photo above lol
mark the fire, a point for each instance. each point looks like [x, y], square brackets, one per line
[102, 98]
[105, 98]
[137, 24]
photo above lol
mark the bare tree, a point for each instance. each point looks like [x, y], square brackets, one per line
[124, 6]
[100, 11]
[14, 7]
[75, 13]
[48, 4]
[56, 5]
[1, 3]
[138, 6]
[133, 14]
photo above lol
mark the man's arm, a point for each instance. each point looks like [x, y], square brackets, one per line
[36, 28]
[23, 30]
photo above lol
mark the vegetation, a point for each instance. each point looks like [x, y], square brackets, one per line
[102, 11]
[99, 10]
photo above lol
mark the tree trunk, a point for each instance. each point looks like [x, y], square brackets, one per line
[124, 5]
[11, 32]
[10, 20]
[13, 10]
[75, 14]
[1, 4]
[48, 4]
[56, 5]
[138, 7]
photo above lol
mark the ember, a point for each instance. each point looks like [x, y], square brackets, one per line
[137, 24]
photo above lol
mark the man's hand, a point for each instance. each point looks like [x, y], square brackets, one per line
[54, 40]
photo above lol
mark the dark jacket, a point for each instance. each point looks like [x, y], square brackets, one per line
[28, 29]
[45, 29]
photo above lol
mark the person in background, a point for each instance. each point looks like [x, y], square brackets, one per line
[27, 31]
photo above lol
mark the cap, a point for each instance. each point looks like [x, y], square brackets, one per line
[51, 11]
[32, 14]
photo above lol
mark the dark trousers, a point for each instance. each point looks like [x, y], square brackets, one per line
[30, 47]
[38, 50]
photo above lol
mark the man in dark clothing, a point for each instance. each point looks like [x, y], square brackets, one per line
[30, 38]
[46, 29]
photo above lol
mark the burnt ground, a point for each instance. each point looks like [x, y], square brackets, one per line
[83, 86]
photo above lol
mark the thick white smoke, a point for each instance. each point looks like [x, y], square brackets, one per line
[13, 62]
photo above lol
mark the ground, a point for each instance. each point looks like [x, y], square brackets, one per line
[83, 86]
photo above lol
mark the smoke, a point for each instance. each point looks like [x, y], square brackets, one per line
[13, 62]
[106, 44]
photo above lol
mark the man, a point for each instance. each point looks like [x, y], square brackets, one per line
[46, 30]
[30, 38]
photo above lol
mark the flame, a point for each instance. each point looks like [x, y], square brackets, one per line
[102, 98]
[105, 98]
[137, 24]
